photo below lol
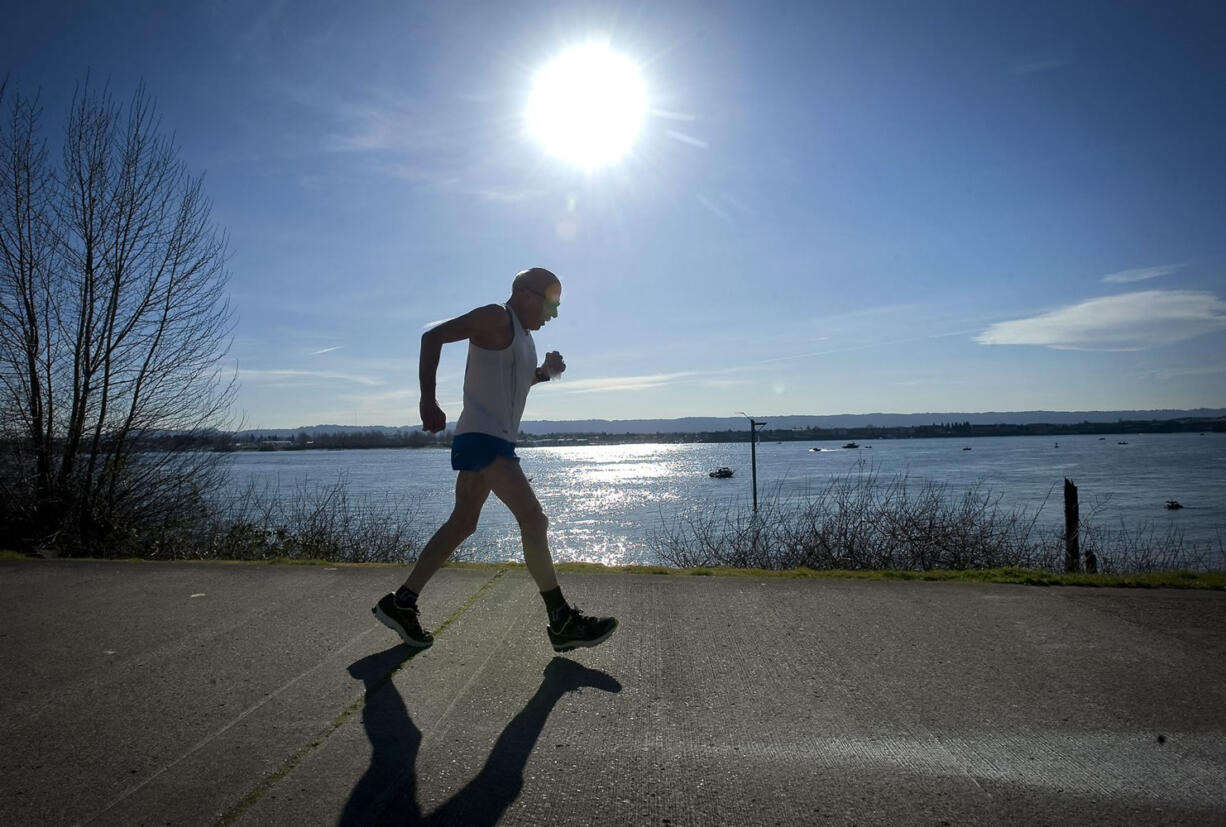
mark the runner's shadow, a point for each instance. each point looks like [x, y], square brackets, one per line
[394, 739]
[387, 792]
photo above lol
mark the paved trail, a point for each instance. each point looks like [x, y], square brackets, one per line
[138, 693]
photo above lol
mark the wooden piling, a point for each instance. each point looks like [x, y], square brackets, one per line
[1072, 550]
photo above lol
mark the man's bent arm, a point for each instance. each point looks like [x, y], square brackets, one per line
[485, 327]
[427, 364]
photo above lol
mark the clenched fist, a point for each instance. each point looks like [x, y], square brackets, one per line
[554, 364]
[432, 417]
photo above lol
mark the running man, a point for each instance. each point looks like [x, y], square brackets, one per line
[501, 368]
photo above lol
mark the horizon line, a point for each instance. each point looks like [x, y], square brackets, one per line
[1169, 413]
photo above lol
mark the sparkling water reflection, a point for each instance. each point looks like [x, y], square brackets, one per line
[605, 501]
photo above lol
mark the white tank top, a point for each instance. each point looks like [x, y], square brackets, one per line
[496, 384]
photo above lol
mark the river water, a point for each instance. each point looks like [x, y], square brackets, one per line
[606, 501]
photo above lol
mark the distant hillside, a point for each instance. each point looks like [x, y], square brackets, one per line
[726, 423]
[876, 420]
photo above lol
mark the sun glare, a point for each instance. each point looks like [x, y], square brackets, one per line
[587, 105]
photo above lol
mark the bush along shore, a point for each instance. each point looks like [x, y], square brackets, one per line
[858, 525]
[863, 522]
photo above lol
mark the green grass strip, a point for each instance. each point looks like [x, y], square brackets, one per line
[1010, 574]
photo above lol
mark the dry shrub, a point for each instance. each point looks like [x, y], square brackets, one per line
[862, 521]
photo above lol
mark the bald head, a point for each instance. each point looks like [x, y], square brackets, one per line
[535, 279]
[535, 295]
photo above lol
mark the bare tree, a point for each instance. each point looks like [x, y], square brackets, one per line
[27, 249]
[113, 328]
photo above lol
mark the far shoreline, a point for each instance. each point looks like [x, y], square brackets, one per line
[400, 438]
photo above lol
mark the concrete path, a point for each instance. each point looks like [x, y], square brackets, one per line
[138, 693]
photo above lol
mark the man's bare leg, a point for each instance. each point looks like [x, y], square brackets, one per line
[398, 611]
[506, 479]
[471, 492]
[568, 627]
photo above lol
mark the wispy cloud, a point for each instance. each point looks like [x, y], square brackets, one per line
[391, 123]
[669, 115]
[374, 399]
[281, 376]
[443, 178]
[740, 205]
[626, 383]
[723, 383]
[686, 139]
[383, 131]
[706, 202]
[1180, 372]
[1132, 321]
[326, 350]
[1140, 274]
[499, 194]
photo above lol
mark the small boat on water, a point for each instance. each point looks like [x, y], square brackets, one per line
[1121, 442]
[851, 445]
[722, 472]
[967, 448]
[1173, 505]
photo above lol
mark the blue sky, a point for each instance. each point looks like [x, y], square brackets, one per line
[830, 208]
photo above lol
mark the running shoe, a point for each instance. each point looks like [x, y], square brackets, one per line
[403, 622]
[576, 629]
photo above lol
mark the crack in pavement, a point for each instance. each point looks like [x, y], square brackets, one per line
[296, 758]
[291, 763]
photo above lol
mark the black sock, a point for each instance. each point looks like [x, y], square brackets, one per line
[405, 598]
[555, 603]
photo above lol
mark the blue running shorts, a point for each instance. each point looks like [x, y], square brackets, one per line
[472, 452]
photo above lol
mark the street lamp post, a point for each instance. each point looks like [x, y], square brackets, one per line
[753, 454]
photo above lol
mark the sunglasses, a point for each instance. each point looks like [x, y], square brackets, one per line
[550, 303]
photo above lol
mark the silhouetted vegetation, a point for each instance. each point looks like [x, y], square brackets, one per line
[866, 522]
[264, 523]
[113, 320]
[325, 440]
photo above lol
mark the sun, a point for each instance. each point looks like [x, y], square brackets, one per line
[587, 105]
